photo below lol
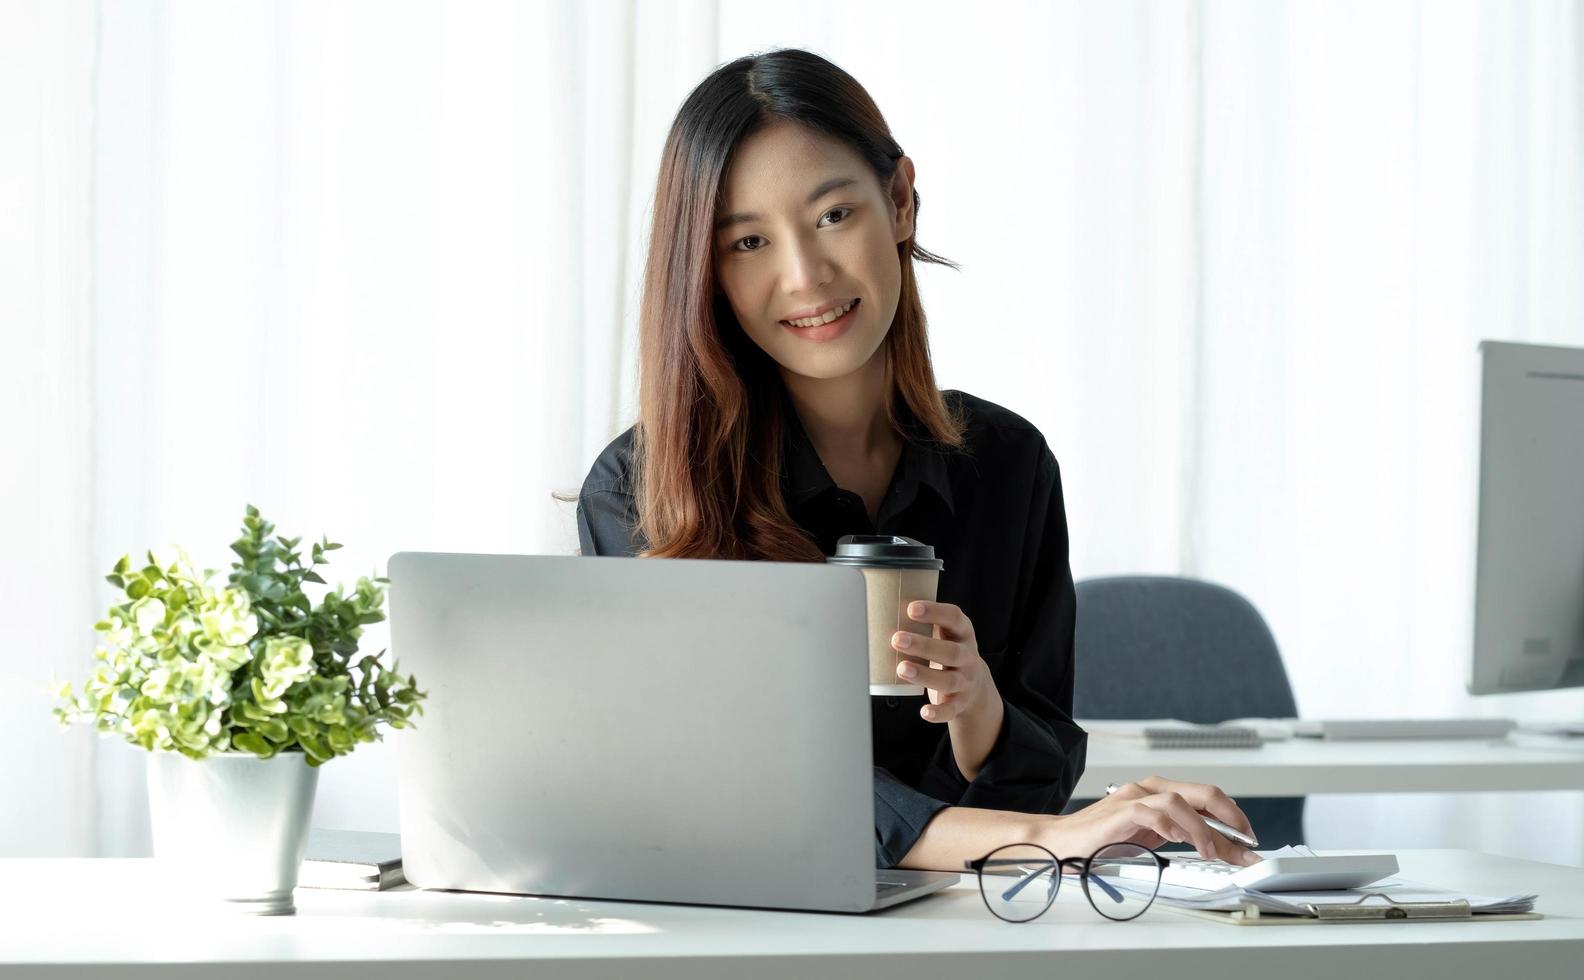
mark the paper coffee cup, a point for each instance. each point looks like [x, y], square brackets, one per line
[896, 571]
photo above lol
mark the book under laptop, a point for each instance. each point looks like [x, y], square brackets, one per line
[676, 730]
[353, 859]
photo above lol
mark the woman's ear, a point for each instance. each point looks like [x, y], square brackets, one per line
[902, 201]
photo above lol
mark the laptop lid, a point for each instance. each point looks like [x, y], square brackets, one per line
[679, 731]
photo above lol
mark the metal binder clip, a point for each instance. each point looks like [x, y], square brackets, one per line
[1456, 909]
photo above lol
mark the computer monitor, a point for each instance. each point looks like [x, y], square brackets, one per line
[1529, 569]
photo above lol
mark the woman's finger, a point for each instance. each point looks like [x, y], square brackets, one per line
[1206, 841]
[948, 708]
[1202, 796]
[1189, 824]
[943, 614]
[1154, 821]
[944, 681]
[1226, 810]
[947, 652]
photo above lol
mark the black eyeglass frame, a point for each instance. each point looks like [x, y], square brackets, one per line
[1081, 865]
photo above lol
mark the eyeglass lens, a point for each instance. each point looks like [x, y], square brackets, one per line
[1019, 881]
[1122, 880]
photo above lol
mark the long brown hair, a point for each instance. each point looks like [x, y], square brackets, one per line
[711, 402]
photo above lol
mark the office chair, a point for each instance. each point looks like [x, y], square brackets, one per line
[1163, 647]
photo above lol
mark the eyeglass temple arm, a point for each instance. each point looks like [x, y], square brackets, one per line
[1037, 868]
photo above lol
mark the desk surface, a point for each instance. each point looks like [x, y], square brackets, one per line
[1297, 767]
[99, 918]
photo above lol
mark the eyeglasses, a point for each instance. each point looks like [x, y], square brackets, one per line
[1018, 882]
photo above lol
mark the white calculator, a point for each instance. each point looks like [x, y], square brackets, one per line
[1278, 873]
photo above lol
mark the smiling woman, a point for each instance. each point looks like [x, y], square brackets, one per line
[786, 397]
[781, 158]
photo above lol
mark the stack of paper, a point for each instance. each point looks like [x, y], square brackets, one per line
[1233, 898]
[1386, 892]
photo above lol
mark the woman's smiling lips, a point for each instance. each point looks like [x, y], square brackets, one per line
[814, 311]
[826, 331]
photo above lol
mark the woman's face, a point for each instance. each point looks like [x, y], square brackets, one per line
[807, 228]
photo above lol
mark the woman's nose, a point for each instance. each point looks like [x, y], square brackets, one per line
[807, 269]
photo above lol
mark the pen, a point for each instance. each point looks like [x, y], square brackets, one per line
[1230, 833]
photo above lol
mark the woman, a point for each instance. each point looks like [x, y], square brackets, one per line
[786, 397]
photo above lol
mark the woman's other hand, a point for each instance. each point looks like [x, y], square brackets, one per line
[1152, 812]
[947, 665]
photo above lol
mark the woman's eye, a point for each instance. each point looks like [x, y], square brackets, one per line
[740, 244]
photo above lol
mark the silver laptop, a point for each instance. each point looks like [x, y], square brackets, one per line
[651, 730]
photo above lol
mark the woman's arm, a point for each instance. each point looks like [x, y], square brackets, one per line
[1151, 812]
[975, 732]
[1036, 750]
[961, 833]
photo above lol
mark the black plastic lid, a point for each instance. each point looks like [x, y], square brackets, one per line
[884, 551]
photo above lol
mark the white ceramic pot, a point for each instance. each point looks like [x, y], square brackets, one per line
[229, 830]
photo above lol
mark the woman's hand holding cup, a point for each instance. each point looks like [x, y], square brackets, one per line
[947, 664]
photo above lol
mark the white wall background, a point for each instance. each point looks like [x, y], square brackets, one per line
[373, 267]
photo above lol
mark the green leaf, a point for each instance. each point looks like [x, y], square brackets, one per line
[275, 730]
[255, 584]
[251, 742]
[313, 577]
[314, 748]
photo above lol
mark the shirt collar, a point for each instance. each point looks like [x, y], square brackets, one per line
[804, 476]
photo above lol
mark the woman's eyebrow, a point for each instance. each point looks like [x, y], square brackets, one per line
[835, 183]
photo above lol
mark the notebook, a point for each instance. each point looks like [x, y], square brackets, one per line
[1170, 733]
[1185, 736]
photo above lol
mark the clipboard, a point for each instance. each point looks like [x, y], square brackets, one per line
[1360, 910]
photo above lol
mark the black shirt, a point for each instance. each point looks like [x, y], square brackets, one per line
[993, 511]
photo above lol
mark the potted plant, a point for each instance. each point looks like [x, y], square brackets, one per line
[239, 693]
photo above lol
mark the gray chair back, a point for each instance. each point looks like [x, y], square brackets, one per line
[1164, 647]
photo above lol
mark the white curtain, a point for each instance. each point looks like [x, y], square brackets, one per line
[373, 267]
[46, 436]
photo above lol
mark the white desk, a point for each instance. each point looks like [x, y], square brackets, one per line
[1300, 767]
[83, 918]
